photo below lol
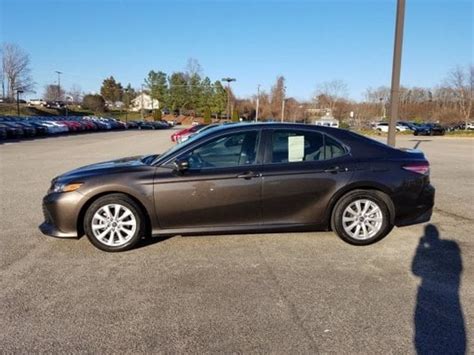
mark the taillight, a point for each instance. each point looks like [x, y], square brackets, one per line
[423, 169]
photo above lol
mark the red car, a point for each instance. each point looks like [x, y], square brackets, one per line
[174, 136]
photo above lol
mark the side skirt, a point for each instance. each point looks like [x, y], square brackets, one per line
[243, 229]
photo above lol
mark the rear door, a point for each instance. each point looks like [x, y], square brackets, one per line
[302, 170]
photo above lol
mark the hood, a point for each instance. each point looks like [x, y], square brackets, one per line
[107, 167]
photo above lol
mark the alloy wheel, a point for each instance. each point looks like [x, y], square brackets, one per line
[113, 225]
[362, 219]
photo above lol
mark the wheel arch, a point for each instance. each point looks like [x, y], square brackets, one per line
[91, 200]
[384, 191]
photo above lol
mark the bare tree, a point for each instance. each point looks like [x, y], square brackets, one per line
[278, 93]
[76, 93]
[16, 69]
[51, 92]
[193, 67]
[461, 81]
[333, 91]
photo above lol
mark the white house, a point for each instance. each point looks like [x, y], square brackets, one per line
[145, 101]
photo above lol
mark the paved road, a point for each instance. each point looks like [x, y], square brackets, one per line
[292, 292]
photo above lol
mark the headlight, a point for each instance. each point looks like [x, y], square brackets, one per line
[67, 187]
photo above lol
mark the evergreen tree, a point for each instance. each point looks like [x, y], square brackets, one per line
[111, 90]
[157, 85]
[205, 98]
[194, 92]
[207, 115]
[178, 91]
[219, 98]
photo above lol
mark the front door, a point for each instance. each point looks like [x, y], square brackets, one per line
[221, 187]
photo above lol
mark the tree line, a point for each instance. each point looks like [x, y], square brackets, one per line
[184, 92]
[190, 92]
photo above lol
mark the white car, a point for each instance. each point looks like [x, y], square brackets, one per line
[37, 102]
[383, 127]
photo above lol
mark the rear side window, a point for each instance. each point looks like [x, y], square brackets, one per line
[333, 149]
[289, 146]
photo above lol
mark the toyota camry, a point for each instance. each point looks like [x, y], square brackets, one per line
[245, 178]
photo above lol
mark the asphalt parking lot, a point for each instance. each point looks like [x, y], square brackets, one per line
[281, 293]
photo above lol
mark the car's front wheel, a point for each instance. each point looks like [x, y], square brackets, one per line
[362, 217]
[114, 223]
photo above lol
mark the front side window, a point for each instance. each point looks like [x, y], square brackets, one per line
[232, 150]
[302, 146]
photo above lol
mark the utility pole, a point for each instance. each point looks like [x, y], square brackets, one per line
[283, 104]
[258, 103]
[397, 62]
[283, 109]
[18, 92]
[228, 80]
[142, 104]
[59, 84]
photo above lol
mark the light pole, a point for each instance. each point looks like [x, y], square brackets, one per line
[228, 80]
[127, 104]
[142, 104]
[283, 104]
[18, 92]
[397, 62]
[59, 84]
[258, 103]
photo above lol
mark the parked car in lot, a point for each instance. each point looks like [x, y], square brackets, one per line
[37, 102]
[193, 129]
[429, 129]
[241, 178]
[3, 133]
[17, 127]
[12, 132]
[25, 131]
[184, 137]
[383, 127]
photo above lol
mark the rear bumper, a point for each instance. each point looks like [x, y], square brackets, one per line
[422, 211]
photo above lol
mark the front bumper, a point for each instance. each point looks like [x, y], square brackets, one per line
[61, 213]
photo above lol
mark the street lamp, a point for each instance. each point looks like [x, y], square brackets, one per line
[228, 80]
[18, 92]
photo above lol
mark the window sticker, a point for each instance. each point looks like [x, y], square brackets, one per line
[295, 148]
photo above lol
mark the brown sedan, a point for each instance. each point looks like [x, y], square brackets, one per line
[243, 178]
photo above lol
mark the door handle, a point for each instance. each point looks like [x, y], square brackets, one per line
[248, 175]
[335, 170]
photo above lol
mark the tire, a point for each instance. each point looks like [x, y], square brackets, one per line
[378, 218]
[108, 213]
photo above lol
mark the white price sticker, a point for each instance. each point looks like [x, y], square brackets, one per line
[295, 148]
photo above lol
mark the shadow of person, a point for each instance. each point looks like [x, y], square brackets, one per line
[439, 320]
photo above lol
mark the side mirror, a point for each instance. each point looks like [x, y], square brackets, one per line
[181, 165]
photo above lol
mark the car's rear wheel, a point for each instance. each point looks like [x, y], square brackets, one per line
[362, 217]
[114, 223]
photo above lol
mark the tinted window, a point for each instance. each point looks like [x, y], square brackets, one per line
[297, 146]
[231, 150]
[333, 149]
